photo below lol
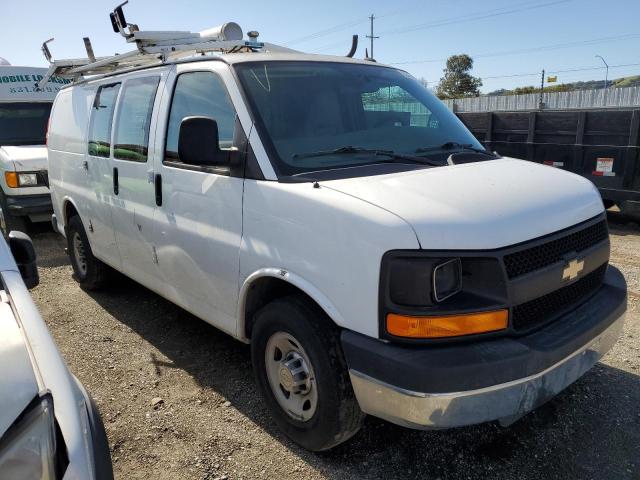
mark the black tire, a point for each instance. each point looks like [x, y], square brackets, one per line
[337, 416]
[88, 271]
[10, 222]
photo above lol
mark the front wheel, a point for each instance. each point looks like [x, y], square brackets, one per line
[302, 374]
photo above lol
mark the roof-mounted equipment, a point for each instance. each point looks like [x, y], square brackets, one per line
[153, 48]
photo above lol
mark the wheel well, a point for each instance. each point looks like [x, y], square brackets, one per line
[264, 290]
[69, 211]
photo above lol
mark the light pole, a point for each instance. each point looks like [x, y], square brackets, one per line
[606, 75]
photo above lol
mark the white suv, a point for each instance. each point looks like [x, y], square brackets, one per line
[333, 213]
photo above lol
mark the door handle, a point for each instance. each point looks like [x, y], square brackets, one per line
[158, 183]
[116, 186]
[85, 165]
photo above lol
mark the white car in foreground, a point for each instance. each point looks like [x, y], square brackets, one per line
[49, 426]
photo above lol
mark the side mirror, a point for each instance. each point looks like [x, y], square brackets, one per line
[198, 143]
[25, 256]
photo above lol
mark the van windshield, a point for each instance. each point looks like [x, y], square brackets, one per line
[23, 123]
[315, 116]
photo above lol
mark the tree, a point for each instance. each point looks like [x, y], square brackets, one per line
[457, 81]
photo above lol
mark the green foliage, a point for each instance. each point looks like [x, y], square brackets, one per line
[457, 81]
[569, 87]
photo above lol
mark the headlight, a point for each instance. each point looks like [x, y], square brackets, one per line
[447, 279]
[423, 281]
[23, 179]
[28, 448]
[427, 295]
[27, 179]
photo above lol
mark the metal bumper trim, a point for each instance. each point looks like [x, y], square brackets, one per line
[506, 402]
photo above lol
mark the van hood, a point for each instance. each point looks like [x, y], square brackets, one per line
[484, 205]
[25, 158]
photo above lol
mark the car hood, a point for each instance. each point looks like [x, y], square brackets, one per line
[18, 384]
[482, 205]
[26, 158]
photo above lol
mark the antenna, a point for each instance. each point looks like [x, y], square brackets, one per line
[354, 46]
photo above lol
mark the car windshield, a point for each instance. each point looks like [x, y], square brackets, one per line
[23, 123]
[315, 116]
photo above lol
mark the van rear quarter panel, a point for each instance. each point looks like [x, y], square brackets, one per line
[66, 145]
[329, 244]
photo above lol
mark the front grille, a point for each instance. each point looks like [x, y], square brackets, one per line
[534, 258]
[543, 309]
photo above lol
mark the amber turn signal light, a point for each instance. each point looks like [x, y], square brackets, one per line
[12, 179]
[448, 325]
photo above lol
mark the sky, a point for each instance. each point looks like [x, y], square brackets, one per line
[511, 41]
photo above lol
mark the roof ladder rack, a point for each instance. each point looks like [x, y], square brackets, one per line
[153, 48]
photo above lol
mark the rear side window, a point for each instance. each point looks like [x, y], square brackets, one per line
[199, 94]
[101, 119]
[131, 138]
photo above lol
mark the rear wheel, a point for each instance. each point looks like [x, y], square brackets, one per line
[88, 271]
[10, 222]
[302, 374]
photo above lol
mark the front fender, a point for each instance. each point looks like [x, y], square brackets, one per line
[294, 279]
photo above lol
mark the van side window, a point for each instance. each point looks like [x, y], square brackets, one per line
[101, 118]
[199, 94]
[131, 139]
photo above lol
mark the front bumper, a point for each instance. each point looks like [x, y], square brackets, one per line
[498, 379]
[22, 205]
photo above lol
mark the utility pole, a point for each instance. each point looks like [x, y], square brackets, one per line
[541, 103]
[372, 37]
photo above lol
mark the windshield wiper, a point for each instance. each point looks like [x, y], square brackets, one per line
[452, 146]
[350, 150]
[338, 151]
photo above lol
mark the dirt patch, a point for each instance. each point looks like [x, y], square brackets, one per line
[178, 400]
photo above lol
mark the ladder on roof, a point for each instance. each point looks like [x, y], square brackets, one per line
[153, 48]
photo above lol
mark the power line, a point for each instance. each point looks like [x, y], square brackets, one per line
[327, 31]
[343, 26]
[535, 74]
[522, 7]
[556, 46]
[481, 15]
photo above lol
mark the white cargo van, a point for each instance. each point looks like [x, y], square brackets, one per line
[334, 214]
[24, 113]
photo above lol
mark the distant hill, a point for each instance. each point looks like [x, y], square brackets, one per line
[568, 87]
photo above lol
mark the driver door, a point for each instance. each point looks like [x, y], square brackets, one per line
[198, 222]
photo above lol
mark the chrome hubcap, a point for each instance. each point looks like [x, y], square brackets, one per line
[79, 253]
[290, 375]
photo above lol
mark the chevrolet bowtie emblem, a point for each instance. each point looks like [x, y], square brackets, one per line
[572, 269]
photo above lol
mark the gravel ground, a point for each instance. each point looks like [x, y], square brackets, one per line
[178, 400]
